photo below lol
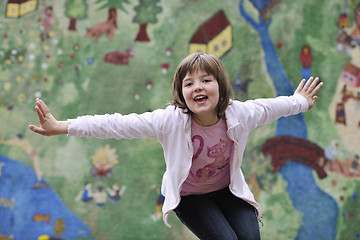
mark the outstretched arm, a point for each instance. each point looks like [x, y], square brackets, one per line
[49, 126]
[309, 90]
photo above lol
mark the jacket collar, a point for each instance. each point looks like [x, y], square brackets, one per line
[232, 119]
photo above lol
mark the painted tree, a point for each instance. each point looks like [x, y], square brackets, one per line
[146, 13]
[75, 10]
[319, 210]
[107, 27]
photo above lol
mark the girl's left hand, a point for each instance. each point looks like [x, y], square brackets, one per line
[309, 90]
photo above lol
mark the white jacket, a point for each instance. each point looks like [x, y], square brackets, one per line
[172, 128]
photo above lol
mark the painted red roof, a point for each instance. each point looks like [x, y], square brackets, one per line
[17, 1]
[352, 69]
[211, 28]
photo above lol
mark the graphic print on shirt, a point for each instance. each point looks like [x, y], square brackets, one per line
[214, 168]
[201, 146]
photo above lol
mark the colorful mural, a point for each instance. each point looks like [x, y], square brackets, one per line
[104, 56]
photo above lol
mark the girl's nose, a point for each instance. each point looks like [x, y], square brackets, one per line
[198, 87]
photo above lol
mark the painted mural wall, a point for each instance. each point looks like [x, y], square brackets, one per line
[104, 56]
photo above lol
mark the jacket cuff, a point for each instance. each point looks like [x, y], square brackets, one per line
[304, 105]
[71, 130]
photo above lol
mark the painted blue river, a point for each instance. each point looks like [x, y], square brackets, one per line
[320, 210]
[27, 212]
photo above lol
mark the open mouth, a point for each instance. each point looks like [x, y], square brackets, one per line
[200, 98]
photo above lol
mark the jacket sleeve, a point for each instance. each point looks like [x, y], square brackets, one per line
[262, 111]
[146, 125]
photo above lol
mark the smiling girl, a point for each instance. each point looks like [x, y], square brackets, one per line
[203, 133]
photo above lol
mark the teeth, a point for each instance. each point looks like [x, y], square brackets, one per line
[199, 98]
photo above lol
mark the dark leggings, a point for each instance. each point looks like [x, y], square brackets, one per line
[218, 215]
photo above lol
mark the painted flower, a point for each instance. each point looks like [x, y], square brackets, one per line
[90, 61]
[32, 56]
[32, 46]
[21, 97]
[46, 47]
[7, 86]
[44, 66]
[19, 78]
[37, 94]
[76, 47]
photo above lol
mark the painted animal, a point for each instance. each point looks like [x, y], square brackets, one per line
[119, 58]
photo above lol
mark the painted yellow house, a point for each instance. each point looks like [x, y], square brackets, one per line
[214, 36]
[18, 8]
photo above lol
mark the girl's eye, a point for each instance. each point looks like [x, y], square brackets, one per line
[187, 84]
[207, 80]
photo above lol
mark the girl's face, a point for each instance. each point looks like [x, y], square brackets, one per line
[201, 94]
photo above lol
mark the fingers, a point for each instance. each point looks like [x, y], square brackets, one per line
[40, 110]
[32, 128]
[40, 115]
[304, 85]
[36, 129]
[311, 87]
[308, 82]
[42, 106]
[317, 88]
[312, 82]
[300, 86]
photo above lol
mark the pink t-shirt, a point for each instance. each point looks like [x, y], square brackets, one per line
[210, 164]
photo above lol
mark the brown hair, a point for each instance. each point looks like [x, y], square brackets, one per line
[211, 65]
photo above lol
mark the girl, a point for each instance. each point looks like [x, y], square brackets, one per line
[203, 134]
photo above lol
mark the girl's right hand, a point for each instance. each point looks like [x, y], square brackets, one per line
[49, 126]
